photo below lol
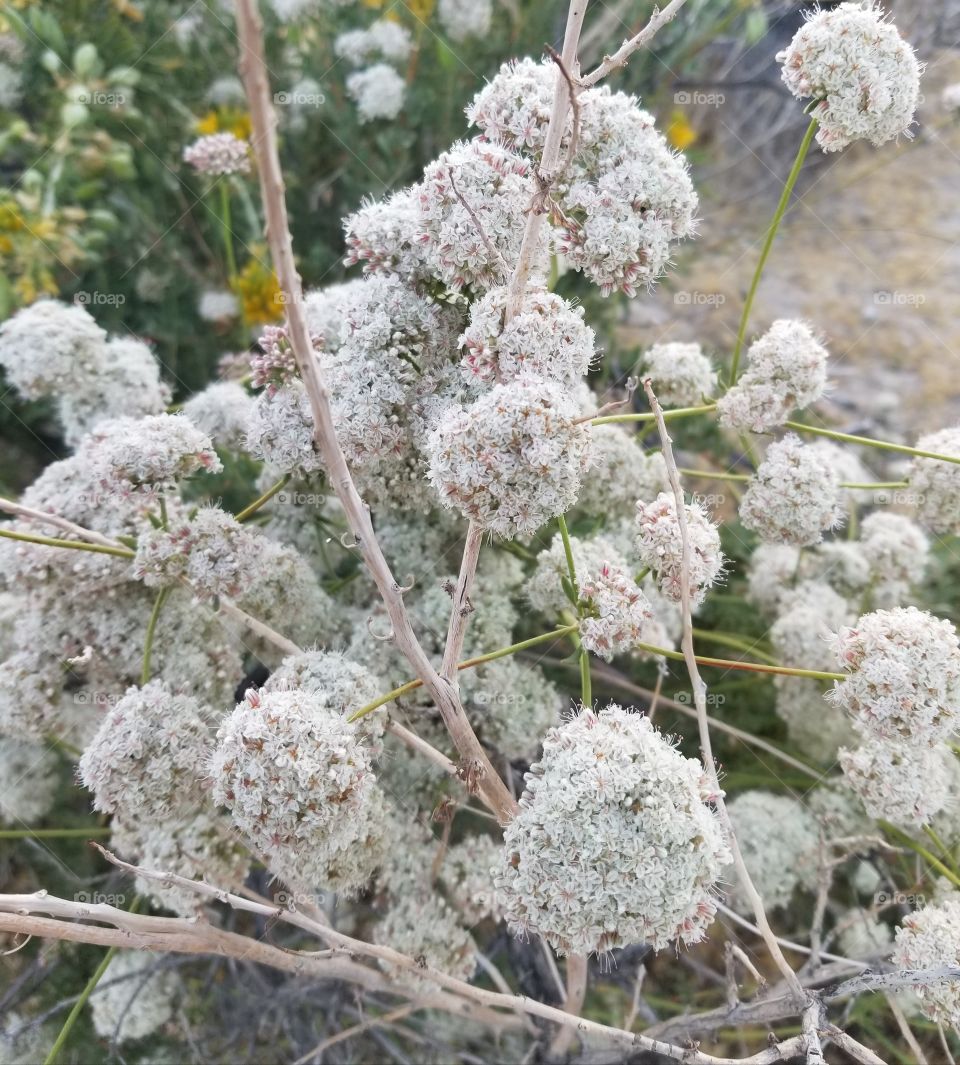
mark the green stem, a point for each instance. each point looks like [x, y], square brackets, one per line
[82, 1000]
[226, 231]
[768, 244]
[252, 508]
[640, 576]
[918, 848]
[849, 438]
[586, 682]
[713, 475]
[677, 412]
[75, 545]
[751, 667]
[568, 554]
[736, 642]
[469, 663]
[151, 630]
[52, 833]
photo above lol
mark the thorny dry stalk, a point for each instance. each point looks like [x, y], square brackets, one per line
[700, 702]
[253, 70]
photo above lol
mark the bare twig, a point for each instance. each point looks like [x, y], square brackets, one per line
[461, 609]
[904, 1025]
[577, 972]
[850, 1046]
[574, 142]
[41, 517]
[253, 70]
[623, 53]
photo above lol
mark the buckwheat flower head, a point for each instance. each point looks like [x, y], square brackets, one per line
[378, 92]
[384, 235]
[512, 460]
[817, 727]
[935, 485]
[778, 839]
[218, 154]
[863, 74]
[616, 841]
[904, 675]
[217, 305]
[897, 551]
[617, 611]
[793, 497]
[681, 374]
[44, 346]
[462, 19]
[544, 587]
[930, 939]
[385, 38]
[907, 784]
[863, 936]
[153, 451]
[620, 473]
[424, 926]
[299, 784]
[209, 548]
[660, 546]
[770, 574]
[546, 338]
[514, 108]
[472, 222]
[30, 706]
[136, 997]
[30, 780]
[280, 430]
[467, 872]
[222, 411]
[147, 756]
[841, 564]
[275, 365]
[786, 370]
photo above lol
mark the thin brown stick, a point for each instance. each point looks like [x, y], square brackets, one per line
[577, 971]
[461, 608]
[623, 53]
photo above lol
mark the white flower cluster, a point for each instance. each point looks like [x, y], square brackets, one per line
[30, 779]
[778, 839]
[384, 235]
[135, 997]
[218, 306]
[786, 370]
[145, 759]
[275, 365]
[863, 75]
[897, 551]
[681, 374]
[467, 873]
[616, 841]
[473, 204]
[617, 611]
[930, 939]
[904, 783]
[620, 473]
[423, 926]
[378, 91]
[384, 38]
[543, 587]
[903, 680]
[222, 411]
[299, 784]
[660, 546]
[935, 484]
[279, 430]
[793, 497]
[512, 460]
[150, 452]
[57, 350]
[546, 338]
[462, 19]
[218, 154]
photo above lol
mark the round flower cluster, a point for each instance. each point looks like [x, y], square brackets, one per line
[299, 784]
[930, 939]
[660, 546]
[144, 760]
[544, 586]
[473, 203]
[30, 779]
[546, 338]
[786, 370]
[218, 305]
[793, 497]
[616, 841]
[621, 472]
[863, 75]
[511, 705]
[778, 840]
[275, 365]
[135, 997]
[512, 460]
[771, 571]
[154, 451]
[467, 873]
[423, 926]
[385, 237]
[378, 91]
[385, 38]
[617, 611]
[222, 411]
[462, 19]
[904, 675]
[218, 154]
[897, 551]
[681, 374]
[935, 484]
[279, 430]
[515, 107]
[903, 783]
[210, 549]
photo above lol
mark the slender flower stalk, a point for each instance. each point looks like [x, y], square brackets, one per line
[75, 545]
[866, 441]
[151, 632]
[669, 415]
[586, 684]
[252, 508]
